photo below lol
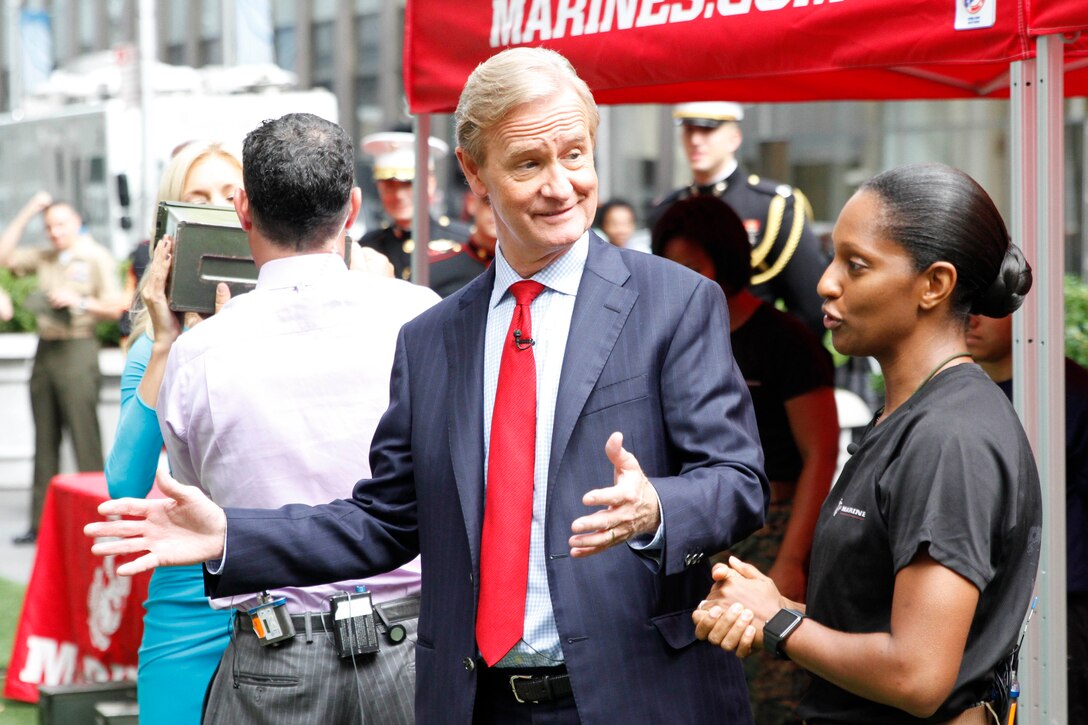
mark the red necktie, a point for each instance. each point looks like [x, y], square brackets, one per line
[508, 508]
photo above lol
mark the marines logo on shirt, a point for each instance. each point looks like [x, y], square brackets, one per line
[849, 511]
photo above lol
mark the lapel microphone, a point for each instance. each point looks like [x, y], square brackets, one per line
[522, 344]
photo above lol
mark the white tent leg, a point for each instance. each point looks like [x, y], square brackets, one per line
[1036, 132]
[421, 200]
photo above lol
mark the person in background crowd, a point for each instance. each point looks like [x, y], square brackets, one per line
[394, 173]
[183, 638]
[78, 287]
[786, 257]
[791, 379]
[617, 220]
[453, 269]
[274, 401]
[990, 341]
[548, 559]
[926, 551]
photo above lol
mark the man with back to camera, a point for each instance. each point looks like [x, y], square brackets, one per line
[503, 397]
[990, 342]
[394, 174]
[78, 287]
[786, 257]
[274, 400]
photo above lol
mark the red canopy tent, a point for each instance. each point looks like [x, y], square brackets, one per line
[666, 51]
[1047, 17]
[746, 50]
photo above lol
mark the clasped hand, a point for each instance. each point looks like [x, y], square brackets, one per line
[740, 602]
[631, 504]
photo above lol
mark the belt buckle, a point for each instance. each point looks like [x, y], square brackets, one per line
[514, 689]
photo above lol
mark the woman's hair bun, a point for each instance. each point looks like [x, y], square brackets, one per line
[1005, 295]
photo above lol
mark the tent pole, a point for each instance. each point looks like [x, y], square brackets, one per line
[421, 202]
[1036, 132]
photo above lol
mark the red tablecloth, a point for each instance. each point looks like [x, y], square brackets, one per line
[80, 622]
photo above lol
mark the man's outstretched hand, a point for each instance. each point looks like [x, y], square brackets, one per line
[631, 505]
[184, 528]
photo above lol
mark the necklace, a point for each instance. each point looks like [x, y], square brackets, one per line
[932, 374]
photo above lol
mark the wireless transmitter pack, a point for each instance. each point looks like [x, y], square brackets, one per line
[354, 629]
[393, 616]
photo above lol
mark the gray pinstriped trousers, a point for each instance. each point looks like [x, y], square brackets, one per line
[300, 682]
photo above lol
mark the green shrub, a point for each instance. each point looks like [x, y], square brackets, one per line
[1076, 319]
[18, 288]
[108, 333]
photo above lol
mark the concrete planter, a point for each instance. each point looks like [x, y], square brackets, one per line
[16, 424]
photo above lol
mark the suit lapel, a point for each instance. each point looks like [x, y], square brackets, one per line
[600, 312]
[464, 339]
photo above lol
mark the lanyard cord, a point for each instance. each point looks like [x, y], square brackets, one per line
[937, 369]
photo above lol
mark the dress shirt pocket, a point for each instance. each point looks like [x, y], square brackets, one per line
[616, 393]
[676, 628]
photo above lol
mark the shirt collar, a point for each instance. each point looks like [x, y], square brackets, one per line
[729, 169]
[300, 270]
[563, 275]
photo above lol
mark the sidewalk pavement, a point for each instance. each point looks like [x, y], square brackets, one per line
[15, 561]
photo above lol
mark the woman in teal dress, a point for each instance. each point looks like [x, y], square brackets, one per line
[184, 637]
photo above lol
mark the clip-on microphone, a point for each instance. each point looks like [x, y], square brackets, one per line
[522, 344]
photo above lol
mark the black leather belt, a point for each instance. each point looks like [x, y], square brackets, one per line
[320, 621]
[529, 686]
[323, 622]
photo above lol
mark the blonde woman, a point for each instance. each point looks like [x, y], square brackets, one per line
[183, 637]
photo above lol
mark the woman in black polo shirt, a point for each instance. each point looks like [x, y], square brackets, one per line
[926, 549]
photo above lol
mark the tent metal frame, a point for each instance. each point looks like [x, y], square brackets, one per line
[1037, 136]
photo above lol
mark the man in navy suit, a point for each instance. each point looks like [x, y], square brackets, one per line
[631, 354]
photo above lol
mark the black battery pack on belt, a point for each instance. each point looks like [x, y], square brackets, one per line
[354, 630]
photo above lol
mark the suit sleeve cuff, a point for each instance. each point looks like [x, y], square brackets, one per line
[651, 547]
[215, 566]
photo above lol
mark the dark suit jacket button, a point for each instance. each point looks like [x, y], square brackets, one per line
[469, 663]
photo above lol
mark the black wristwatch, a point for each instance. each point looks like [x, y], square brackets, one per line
[778, 629]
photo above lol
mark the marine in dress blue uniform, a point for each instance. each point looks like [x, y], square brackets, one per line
[394, 173]
[458, 265]
[461, 263]
[787, 260]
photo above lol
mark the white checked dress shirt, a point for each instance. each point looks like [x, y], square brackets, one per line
[551, 313]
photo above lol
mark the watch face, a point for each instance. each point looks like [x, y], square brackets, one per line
[781, 621]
